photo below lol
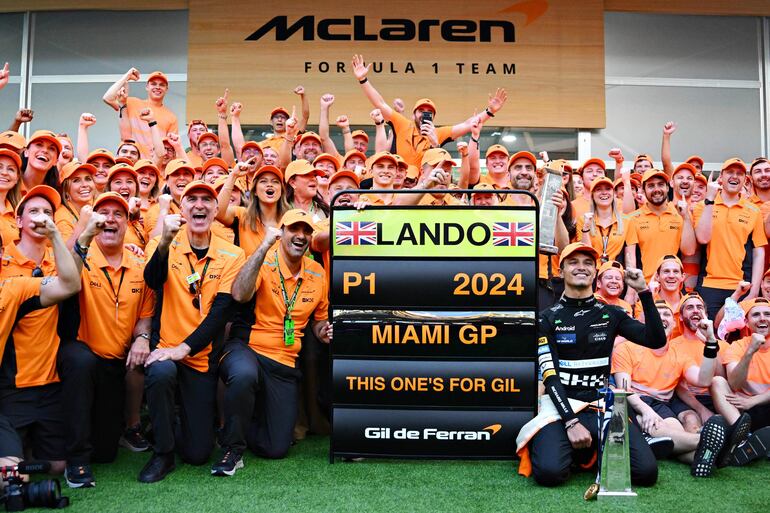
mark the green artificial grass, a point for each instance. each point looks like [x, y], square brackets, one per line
[305, 481]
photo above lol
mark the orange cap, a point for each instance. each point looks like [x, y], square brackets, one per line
[598, 181]
[483, 187]
[497, 148]
[251, 144]
[73, 167]
[111, 196]
[435, 156]
[577, 247]
[562, 164]
[666, 258]
[13, 139]
[268, 169]
[42, 191]
[412, 172]
[685, 166]
[611, 264]
[177, 165]
[215, 161]
[298, 168]
[689, 296]
[5, 152]
[700, 177]
[122, 168]
[309, 135]
[295, 216]
[45, 135]
[345, 173]
[696, 158]
[198, 185]
[402, 164]
[158, 74]
[101, 152]
[351, 153]
[380, 155]
[643, 156]
[327, 156]
[735, 161]
[208, 135]
[656, 173]
[144, 163]
[219, 182]
[752, 303]
[426, 102]
[593, 160]
[360, 133]
[523, 154]
[276, 110]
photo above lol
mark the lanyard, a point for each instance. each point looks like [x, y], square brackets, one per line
[112, 287]
[605, 241]
[197, 279]
[289, 303]
[138, 232]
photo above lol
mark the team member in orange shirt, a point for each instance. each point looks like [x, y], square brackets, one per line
[42, 153]
[658, 228]
[259, 369]
[725, 223]
[266, 206]
[124, 180]
[195, 129]
[747, 362]
[157, 87]
[414, 136]
[591, 170]
[192, 272]
[610, 284]
[10, 193]
[111, 331]
[302, 192]
[77, 191]
[149, 183]
[603, 226]
[102, 159]
[653, 375]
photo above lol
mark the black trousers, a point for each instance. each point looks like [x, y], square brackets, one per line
[167, 383]
[93, 394]
[261, 399]
[760, 416]
[714, 299]
[552, 454]
[36, 415]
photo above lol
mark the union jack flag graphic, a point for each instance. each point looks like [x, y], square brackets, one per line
[513, 234]
[355, 233]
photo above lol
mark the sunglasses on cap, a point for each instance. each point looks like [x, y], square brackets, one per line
[197, 122]
[37, 272]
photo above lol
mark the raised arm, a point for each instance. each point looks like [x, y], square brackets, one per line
[245, 282]
[474, 169]
[22, 116]
[223, 131]
[703, 228]
[157, 137]
[225, 211]
[86, 120]
[689, 244]
[381, 140]
[701, 376]
[437, 176]
[327, 101]
[495, 103]
[289, 137]
[124, 124]
[347, 138]
[465, 167]
[111, 96]
[235, 120]
[300, 91]
[360, 70]
[737, 374]
[650, 333]
[665, 148]
[67, 280]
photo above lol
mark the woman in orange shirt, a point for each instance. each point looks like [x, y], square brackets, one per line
[10, 193]
[77, 190]
[602, 227]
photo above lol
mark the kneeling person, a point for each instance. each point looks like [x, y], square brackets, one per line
[262, 382]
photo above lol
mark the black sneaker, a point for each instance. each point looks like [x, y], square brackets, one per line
[227, 465]
[756, 446]
[712, 439]
[662, 446]
[159, 466]
[79, 476]
[134, 440]
[737, 434]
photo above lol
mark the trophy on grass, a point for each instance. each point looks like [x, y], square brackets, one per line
[548, 212]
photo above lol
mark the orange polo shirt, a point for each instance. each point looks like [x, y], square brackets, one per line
[380, 200]
[580, 206]
[223, 232]
[616, 302]
[9, 231]
[110, 308]
[179, 317]
[691, 352]
[267, 332]
[758, 378]
[35, 338]
[446, 199]
[140, 130]
[410, 144]
[615, 237]
[66, 221]
[656, 235]
[731, 228]
[274, 142]
[651, 374]
[13, 293]
[151, 217]
[135, 234]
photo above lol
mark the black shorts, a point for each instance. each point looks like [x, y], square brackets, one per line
[10, 443]
[662, 408]
[679, 406]
[36, 415]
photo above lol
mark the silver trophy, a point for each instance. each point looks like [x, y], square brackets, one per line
[616, 462]
[548, 212]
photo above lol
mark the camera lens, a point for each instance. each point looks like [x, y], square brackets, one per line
[42, 494]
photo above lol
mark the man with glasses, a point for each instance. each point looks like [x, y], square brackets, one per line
[192, 272]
